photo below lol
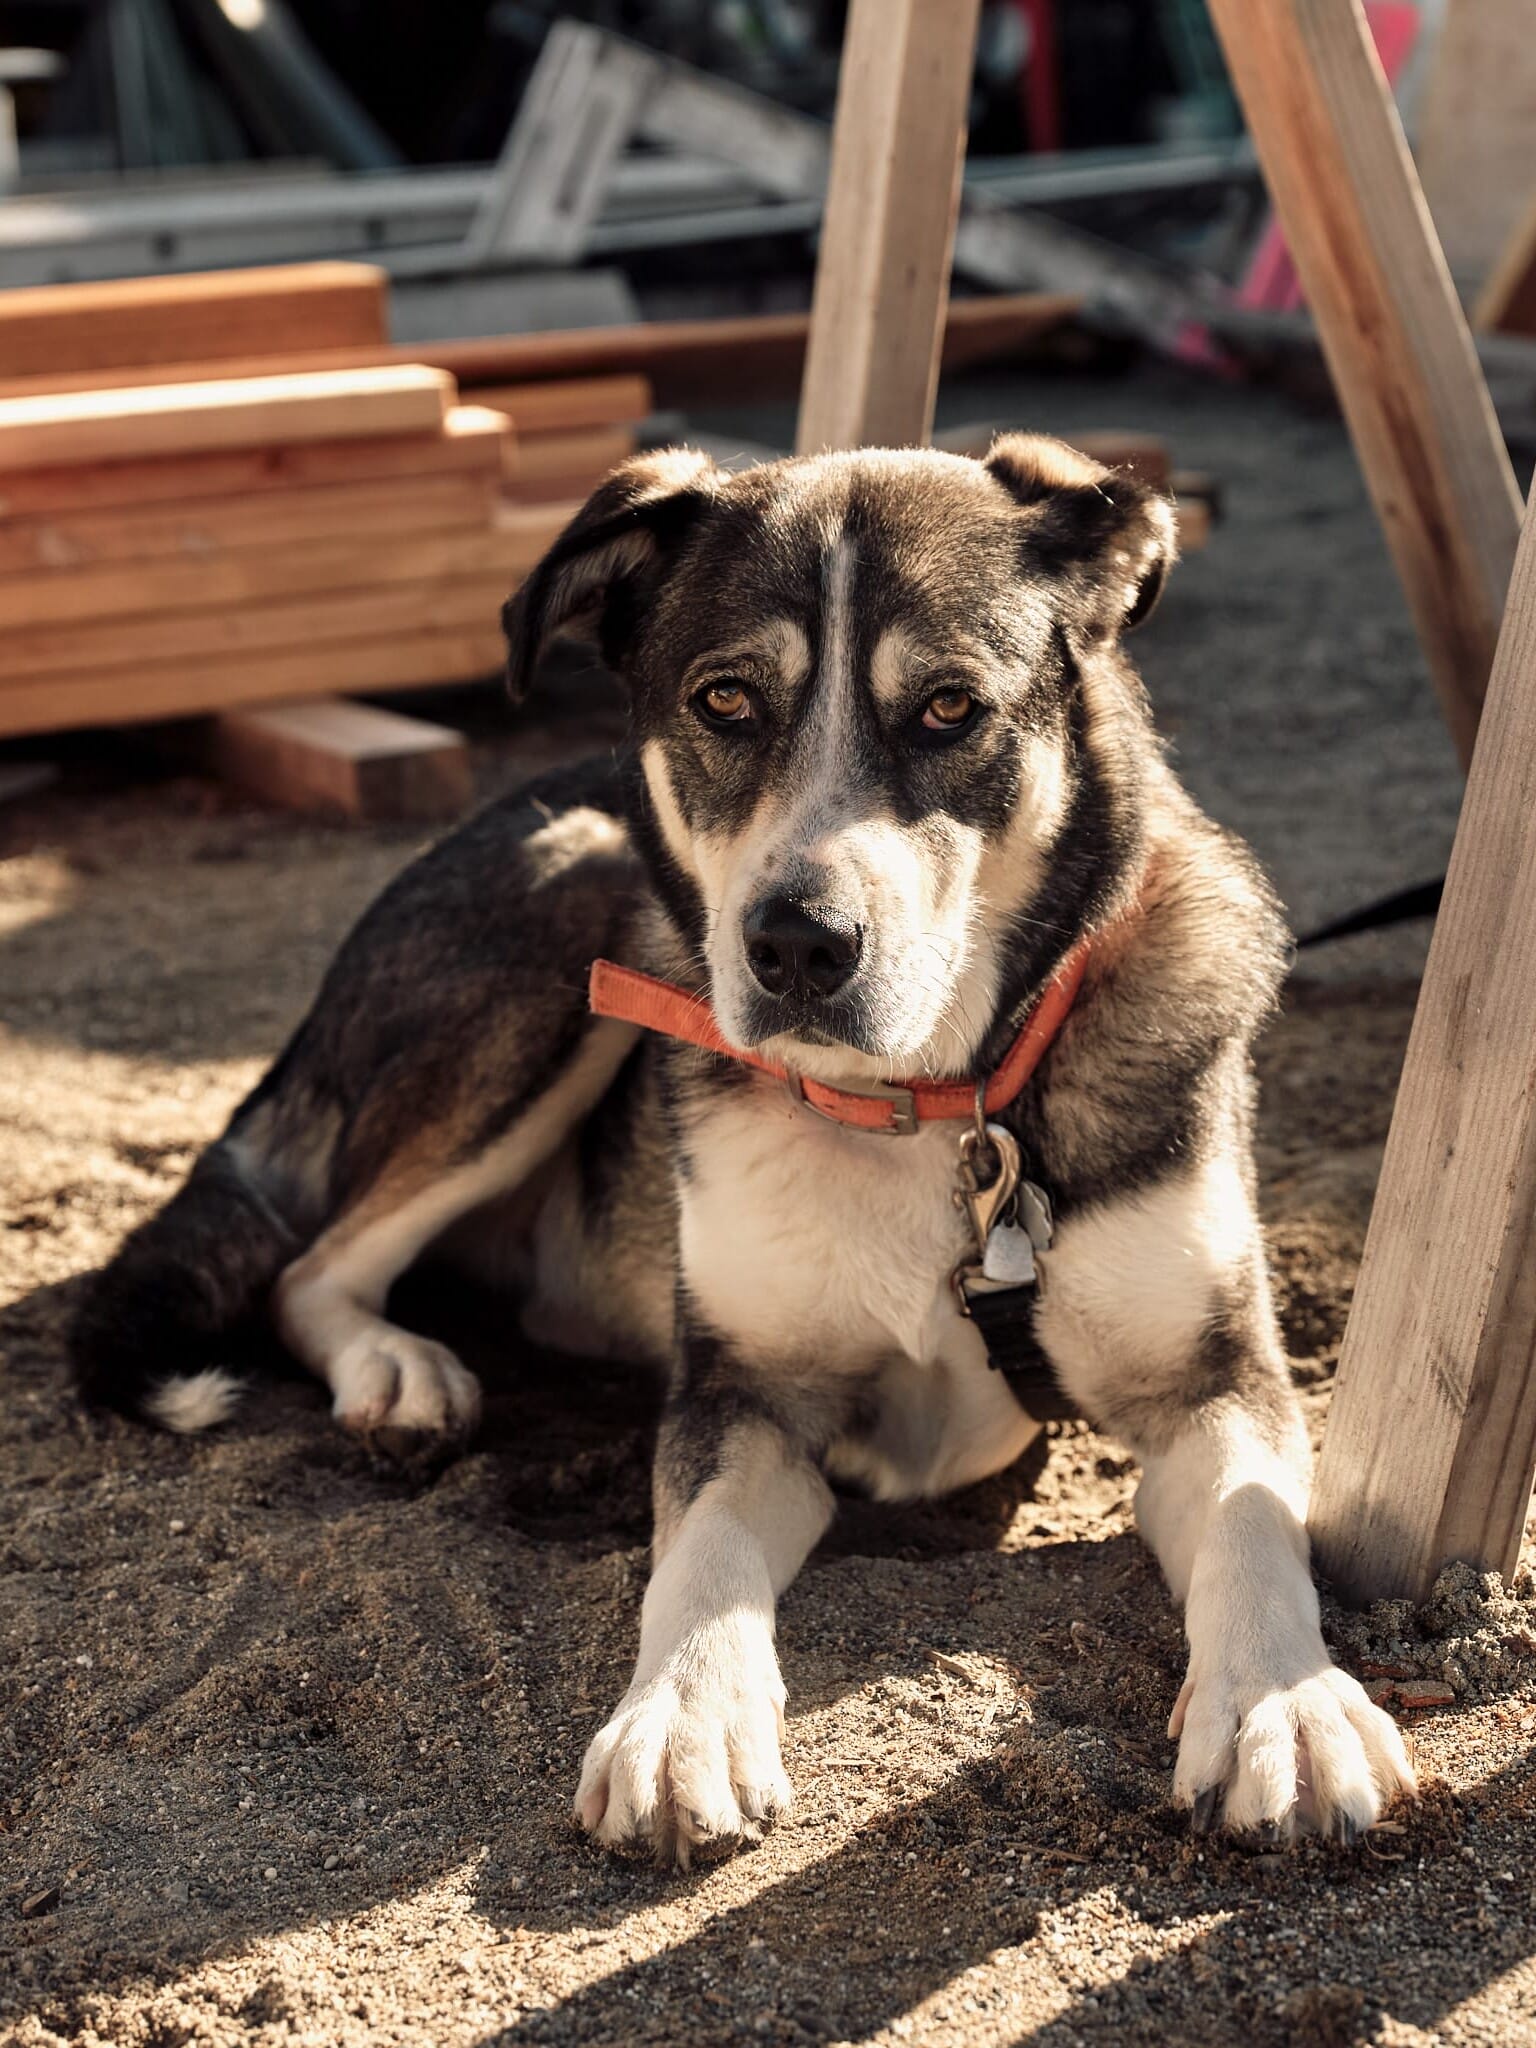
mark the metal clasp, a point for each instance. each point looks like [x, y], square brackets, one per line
[903, 1106]
[986, 1203]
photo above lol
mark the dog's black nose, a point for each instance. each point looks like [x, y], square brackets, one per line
[794, 950]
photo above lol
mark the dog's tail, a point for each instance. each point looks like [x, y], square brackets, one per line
[159, 1332]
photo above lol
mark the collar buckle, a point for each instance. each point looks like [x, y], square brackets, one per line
[901, 1102]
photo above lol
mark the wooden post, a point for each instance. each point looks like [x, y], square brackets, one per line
[1430, 1449]
[1322, 117]
[882, 281]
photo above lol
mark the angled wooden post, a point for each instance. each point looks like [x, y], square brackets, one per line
[882, 280]
[1430, 1448]
[1322, 117]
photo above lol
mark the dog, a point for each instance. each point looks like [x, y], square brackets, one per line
[949, 974]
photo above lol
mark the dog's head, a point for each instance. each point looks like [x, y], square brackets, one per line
[864, 721]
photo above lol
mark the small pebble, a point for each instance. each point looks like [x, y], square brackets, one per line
[269, 1873]
[332, 1861]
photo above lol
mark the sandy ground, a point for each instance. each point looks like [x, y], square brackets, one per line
[289, 1736]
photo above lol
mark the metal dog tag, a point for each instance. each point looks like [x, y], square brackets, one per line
[1023, 1230]
[1010, 1257]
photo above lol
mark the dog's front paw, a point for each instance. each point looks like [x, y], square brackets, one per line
[389, 1381]
[692, 1755]
[1262, 1755]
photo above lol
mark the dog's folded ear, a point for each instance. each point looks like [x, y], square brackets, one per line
[1109, 539]
[594, 580]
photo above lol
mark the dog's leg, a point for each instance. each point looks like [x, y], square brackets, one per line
[693, 1752]
[1155, 1310]
[329, 1303]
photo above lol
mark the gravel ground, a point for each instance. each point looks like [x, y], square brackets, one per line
[288, 1736]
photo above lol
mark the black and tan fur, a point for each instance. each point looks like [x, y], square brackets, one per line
[888, 764]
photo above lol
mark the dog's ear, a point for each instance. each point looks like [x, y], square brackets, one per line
[1108, 537]
[594, 579]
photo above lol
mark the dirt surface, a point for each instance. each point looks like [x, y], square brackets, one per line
[289, 1737]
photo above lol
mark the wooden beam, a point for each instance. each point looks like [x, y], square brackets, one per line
[349, 760]
[179, 689]
[472, 439]
[759, 355]
[390, 508]
[69, 329]
[570, 403]
[1430, 1448]
[511, 543]
[326, 405]
[882, 278]
[1322, 116]
[283, 623]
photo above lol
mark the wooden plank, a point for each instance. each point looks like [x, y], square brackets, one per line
[532, 458]
[326, 405]
[569, 403]
[1397, 344]
[1507, 302]
[759, 355]
[351, 760]
[408, 607]
[288, 362]
[54, 330]
[245, 576]
[882, 278]
[176, 689]
[550, 407]
[202, 527]
[471, 441]
[1430, 1448]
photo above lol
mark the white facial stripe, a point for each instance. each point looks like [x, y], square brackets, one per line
[828, 737]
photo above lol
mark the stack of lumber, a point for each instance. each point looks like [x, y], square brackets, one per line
[180, 547]
[232, 495]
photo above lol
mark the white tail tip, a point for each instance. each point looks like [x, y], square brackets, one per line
[199, 1402]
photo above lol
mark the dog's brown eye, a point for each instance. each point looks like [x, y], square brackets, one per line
[948, 709]
[726, 703]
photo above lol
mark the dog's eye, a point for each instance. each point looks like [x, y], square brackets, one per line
[949, 710]
[725, 703]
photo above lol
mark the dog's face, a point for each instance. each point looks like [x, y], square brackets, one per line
[857, 705]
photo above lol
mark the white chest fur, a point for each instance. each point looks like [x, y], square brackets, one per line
[819, 1248]
[802, 1238]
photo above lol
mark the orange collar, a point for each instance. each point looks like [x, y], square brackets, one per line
[636, 998]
